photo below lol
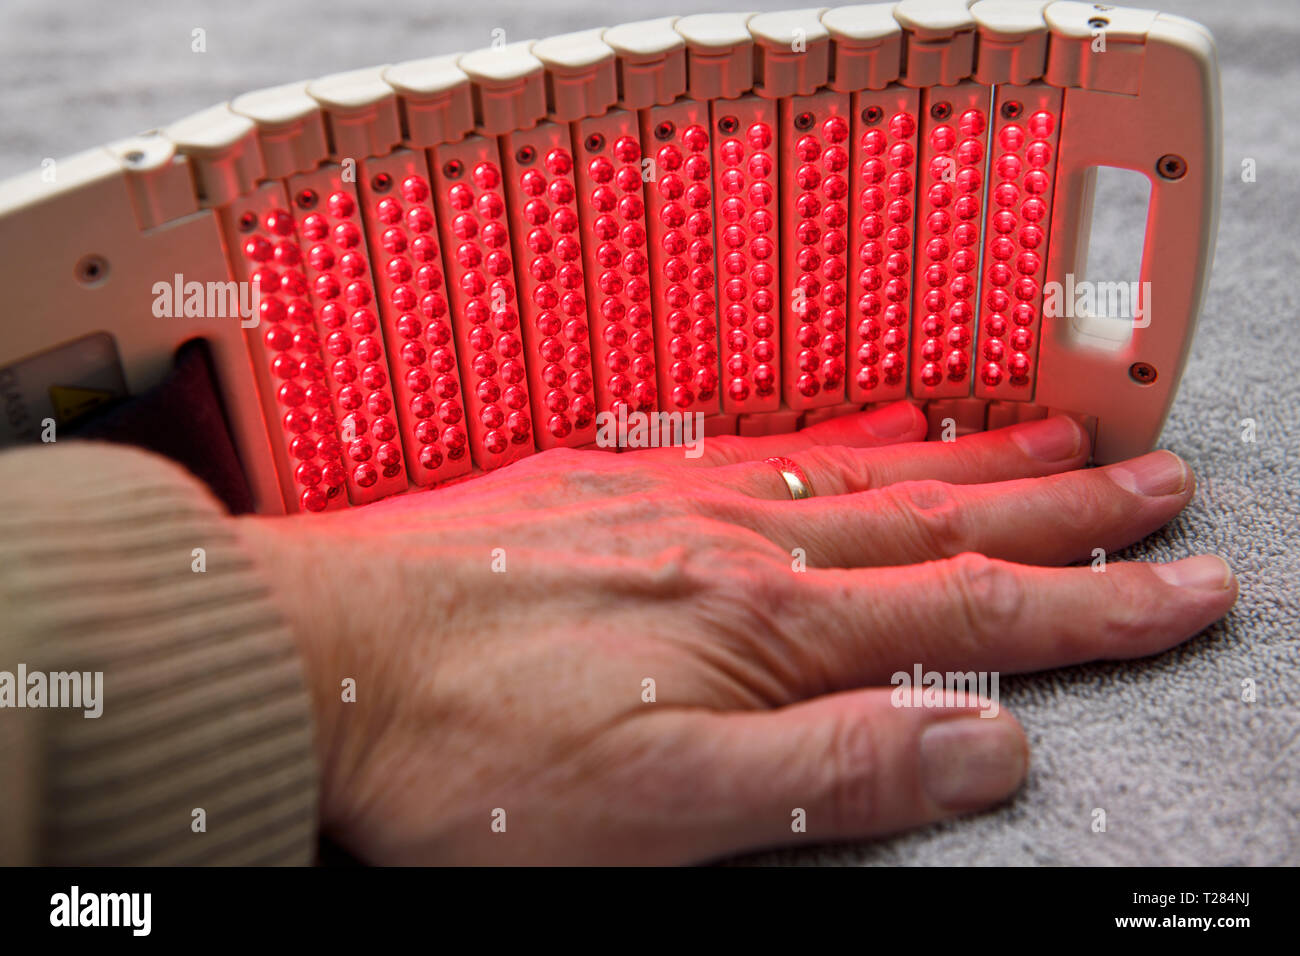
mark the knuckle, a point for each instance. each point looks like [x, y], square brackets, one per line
[847, 469]
[1131, 608]
[989, 595]
[726, 450]
[583, 474]
[1087, 501]
[638, 508]
[710, 560]
[720, 505]
[932, 513]
[853, 763]
[762, 589]
[749, 609]
[669, 566]
[558, 460]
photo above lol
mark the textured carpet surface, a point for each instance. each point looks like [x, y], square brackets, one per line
[1186, 771]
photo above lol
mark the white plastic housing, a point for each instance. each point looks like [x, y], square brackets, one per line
[89, 239]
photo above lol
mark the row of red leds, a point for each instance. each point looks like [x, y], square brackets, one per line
[338, 278]
[553, 303]
[815, 170]
[480, 273]
[1015, 257]
[416, 316]
[952, 165]
[750, 268]
[883, 242]
[291, 349]
[679, 219]
[611, 207]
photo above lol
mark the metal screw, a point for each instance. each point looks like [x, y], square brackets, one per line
[665, 130]
[525, 155]
[728, 125]
[595, 142]
[306, 199]
[381, 182]
[941, 111]
[804, 121]
[1144, 373]
[1011, 109]
[248, 222]
[453, 168]
[92, 270]
[872, 115]
[1099, 23]
[1171, 166]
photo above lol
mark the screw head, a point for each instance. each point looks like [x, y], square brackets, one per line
[1099, 23]
[595, 143]
[248, 222]
[728, 125]
[941, 111]
[525, 155]
[93, 269]
[306, 199]
[872, 115]
[1012, 109]
[804, 121]
[665, 130]
[453, 168]
[1171, 166]
[1144, 373]
[381, 182]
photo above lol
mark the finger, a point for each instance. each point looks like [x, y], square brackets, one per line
[976, 613]
[899, 422]
[1052, 520]
[1042, 447]
[840, 767]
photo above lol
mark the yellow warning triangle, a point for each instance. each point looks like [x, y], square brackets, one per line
[71, 402]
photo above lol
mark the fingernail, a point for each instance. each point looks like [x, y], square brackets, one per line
[1205, 572]
[893, 421]
[1052, 439]
[1159, 473]
[970, 762]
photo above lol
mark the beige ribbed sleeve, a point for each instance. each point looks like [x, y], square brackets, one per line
[204, 706]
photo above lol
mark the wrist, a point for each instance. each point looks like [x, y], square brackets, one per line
[281, 550]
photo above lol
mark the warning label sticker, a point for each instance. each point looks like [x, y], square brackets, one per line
[71, 402]
[60, 384]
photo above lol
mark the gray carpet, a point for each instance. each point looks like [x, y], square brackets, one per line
[1186, 771]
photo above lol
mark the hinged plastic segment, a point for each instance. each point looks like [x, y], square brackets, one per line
[651, 62]
[290, 128]
[940, 45]
[509, 87]
[581, 78]
[1011, 46]
[361, 112]
[435, 99]
[223, 150]
[866, 46]
[791, 53]
[720, 55]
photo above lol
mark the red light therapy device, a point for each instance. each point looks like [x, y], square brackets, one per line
[768, 219]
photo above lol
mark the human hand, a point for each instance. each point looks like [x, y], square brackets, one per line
[522, 690]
